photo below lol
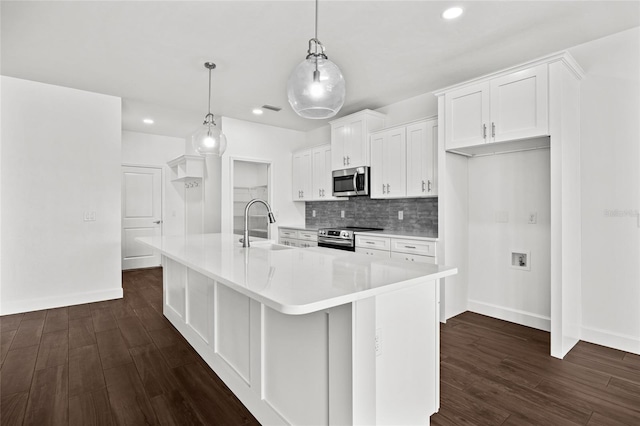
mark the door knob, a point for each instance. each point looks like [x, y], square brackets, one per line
[157, 222]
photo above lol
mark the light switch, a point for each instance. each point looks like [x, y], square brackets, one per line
[533, 218]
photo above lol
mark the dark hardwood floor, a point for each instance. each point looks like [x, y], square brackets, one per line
[498, 373]
[121, 362]
[106, 363]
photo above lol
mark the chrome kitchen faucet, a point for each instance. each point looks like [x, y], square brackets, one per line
[270, 216]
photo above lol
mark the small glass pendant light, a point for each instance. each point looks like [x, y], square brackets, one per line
[208, 139]
[316, 87]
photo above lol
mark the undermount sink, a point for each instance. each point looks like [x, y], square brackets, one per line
[269, 245]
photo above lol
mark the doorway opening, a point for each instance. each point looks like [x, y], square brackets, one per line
[251, 180]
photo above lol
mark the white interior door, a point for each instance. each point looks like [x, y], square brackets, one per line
[141, 215]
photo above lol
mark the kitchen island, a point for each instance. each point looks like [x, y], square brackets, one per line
[308, 336]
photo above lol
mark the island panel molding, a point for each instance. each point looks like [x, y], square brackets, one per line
[340, 362]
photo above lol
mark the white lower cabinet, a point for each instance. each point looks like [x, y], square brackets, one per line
[409, 249]
[413, 257]
[373, 252]
[297, 237]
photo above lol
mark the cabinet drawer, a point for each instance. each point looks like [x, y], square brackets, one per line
[308, 235]
[287, 233]
[373, 252]
[305, 243]
[422, 248]
[290, 242]
[378, 243]
[413, 257]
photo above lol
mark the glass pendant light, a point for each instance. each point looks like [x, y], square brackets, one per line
[209, 140]
[316, 87]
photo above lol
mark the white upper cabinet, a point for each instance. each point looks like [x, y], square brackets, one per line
[520, 105]
[403, 161]
[312, 180]
[302, 176]
[388, 164]
[505, 108]
[349, 138]
[467, 115]
[322, 181]
[421, 159]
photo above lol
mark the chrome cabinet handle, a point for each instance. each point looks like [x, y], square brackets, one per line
[423, 186]
[484, 131]
[348, 160]
[323, 192]
[388, 190]
[344, 161]
[369, 242]
[157, 222]
[383, 190]
[411, 247]
[429, 186]
[493, 130]
[319, 192]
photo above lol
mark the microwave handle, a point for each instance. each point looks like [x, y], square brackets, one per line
[355, 182]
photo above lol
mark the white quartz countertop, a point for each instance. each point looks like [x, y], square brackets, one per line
[300, 228]
[294, 281]
[397, 234]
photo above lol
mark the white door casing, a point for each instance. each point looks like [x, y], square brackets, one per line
[141, 215]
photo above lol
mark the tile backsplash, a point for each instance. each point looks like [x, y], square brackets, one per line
[420, 214]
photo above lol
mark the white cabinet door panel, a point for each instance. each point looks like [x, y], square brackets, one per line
[395, 152]
[466, 116]
[421, 158]
[519, 105]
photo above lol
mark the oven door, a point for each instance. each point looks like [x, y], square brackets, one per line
[336, 243]
[351, 182]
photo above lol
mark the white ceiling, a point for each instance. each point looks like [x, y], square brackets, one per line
[151, 53]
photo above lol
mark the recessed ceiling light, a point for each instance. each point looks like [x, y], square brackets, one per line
[257, 111]
[452, 13]
[147, 121]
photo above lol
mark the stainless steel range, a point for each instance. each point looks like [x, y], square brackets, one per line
[341, 238]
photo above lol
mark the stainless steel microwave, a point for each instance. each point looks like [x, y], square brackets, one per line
[351, 182]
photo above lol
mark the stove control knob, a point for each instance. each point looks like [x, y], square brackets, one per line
[344, 234]
[322, 232]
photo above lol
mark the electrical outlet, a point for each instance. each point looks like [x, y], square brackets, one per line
[342, 213]
[89, 216]
[400, 214]
[533, 218]
[313, 213]
[378, 342]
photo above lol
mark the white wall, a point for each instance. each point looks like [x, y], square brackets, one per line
[142, 149]
[60, 158]
[610, 165]
[257, 142]
[421, 106]
[516, 184]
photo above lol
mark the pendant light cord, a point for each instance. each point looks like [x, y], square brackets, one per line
[209, 90]
[316, 33]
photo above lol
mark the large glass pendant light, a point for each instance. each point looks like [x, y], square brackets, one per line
[208, 139]
[316, 87]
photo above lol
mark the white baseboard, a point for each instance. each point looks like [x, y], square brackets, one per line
[611, 340]
[449, 315]
[28, 305]
[512, 315]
